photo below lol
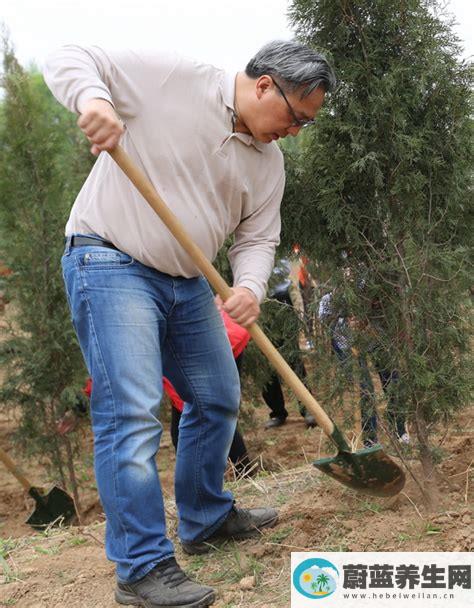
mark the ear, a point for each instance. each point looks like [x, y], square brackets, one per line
[263, 85]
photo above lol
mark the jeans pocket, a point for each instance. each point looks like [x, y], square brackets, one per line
[100, 258]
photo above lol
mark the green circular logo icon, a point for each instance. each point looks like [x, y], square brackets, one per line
[316, 578]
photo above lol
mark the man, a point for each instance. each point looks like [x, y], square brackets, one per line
[205, 138]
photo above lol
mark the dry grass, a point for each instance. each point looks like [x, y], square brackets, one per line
[249, 573]
[66, 567]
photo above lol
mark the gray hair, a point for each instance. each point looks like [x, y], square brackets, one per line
[297, 66]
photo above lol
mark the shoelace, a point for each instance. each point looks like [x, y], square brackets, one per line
[172, 574]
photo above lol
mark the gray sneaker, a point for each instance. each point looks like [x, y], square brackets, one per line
[274, 422]
[166, 586]
[240, 524]
[310, 421]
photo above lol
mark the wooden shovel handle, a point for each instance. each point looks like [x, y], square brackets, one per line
[145, 187]
[14, 469]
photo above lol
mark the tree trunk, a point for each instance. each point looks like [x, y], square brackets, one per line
[72, 476]
[53, 449]
[426, 458]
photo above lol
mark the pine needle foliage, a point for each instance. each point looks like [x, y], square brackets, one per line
[43, 161]
[380, 192]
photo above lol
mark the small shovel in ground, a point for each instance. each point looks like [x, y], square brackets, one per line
[369, 470]
[52, 508]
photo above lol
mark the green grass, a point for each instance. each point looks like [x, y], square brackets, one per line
[431, 529]
[8, 574]
[51, 551]
[280, 535]
[234, 565]
[78, 540]
[196, 563]
[6, 546]
[371, 506]
[281, 499]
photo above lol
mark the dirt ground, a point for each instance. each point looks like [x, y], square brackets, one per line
[67, 568]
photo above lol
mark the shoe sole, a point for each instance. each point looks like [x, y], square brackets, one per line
[205, 547]
[130, 599]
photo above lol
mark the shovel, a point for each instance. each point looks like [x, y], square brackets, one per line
[369, 470]
[52, 508]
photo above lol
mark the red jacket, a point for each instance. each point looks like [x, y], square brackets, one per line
[238, 337]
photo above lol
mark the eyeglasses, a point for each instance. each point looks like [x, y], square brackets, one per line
[297, 122]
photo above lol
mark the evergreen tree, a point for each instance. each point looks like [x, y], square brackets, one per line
[42, 164]
[380, 194]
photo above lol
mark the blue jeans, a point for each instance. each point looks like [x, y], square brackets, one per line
[134, 324]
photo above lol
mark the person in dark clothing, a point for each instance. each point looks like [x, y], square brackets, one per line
[283, 290]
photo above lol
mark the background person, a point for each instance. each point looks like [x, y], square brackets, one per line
[342, 341]
[282, 289]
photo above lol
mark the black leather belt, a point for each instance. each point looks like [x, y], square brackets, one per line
[81, 241]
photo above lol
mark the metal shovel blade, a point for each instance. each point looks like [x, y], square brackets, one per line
[370, 471]
[54, 508]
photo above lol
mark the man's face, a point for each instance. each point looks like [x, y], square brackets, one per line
[273, 117]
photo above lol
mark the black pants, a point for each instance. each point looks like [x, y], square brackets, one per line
[238, 450]
[272, 392]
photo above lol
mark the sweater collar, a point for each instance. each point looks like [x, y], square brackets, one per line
[228, 96]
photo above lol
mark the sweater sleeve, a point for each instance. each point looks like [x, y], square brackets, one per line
[256, 238]
[78, 74]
